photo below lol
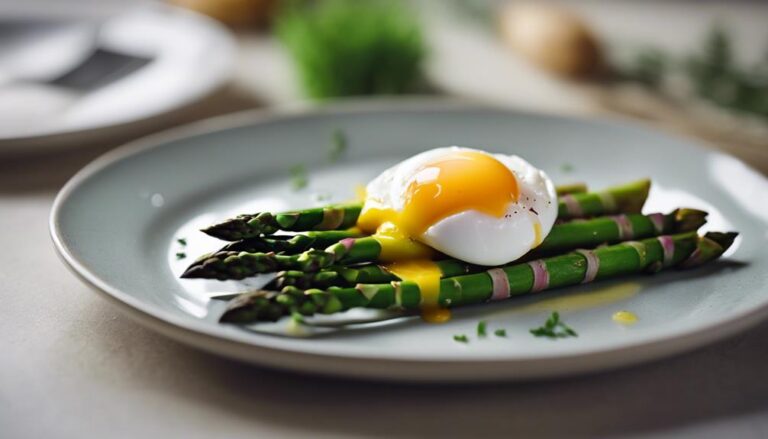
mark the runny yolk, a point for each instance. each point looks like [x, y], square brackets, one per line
[426, 274]
[396, 246]
[537, 239]
[454, 183]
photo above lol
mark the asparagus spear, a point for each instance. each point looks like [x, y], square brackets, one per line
[334, 217]
[682, 250]
[573, 188]
[628, 198]
[368, 274]
[290, 244]
[566, 236]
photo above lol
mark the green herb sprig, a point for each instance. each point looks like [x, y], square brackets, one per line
[482, 328]
[554, 328]
[461, 338]
[299, 179]
[338, 146]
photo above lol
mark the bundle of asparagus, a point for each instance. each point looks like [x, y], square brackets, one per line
[684, 250]
[331, 267]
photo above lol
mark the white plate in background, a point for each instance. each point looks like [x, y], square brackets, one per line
[191, 56]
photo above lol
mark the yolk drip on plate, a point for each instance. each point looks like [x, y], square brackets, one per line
[454, 183]
[624, 317]
[426, 274]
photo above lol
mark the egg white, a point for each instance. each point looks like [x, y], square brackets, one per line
[473, 236]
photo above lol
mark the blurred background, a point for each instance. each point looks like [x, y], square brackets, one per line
[78, 77]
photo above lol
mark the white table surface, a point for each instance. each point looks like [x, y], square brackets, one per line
[72, 366]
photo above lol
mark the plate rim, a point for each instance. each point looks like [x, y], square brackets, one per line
[201, 335]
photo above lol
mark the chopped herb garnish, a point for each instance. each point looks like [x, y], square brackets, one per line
[338, 146]
[566, 167]
[182, 241]
[323, 196]
[500, 333]
[181, 255]
[482, 327]
[554, 328]
[461, 338]
[299, 177]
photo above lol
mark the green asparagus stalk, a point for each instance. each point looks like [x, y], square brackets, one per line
[682, 250]
[566, 236]
[290, 244]
[609, 229]
[368, 274]
[572, 188]
[334, 217]
[627, 199]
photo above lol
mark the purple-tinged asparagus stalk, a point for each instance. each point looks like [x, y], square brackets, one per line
[685, 250]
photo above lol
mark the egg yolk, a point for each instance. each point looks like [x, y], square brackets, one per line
[537, 237]
[454, 183]
[397, 246]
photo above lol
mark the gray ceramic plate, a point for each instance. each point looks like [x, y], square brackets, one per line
[116, 223]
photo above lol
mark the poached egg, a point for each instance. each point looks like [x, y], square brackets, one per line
[481, 208]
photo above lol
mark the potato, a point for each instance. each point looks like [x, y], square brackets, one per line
[232, 12]
[551, 38]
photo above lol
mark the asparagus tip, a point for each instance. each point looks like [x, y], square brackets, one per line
[724, 239]
[690, 219]
[634, 203]
[645, 186]
[251, 307]
[194, 271]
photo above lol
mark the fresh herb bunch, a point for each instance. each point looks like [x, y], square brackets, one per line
[712, 72]
[353, 47]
